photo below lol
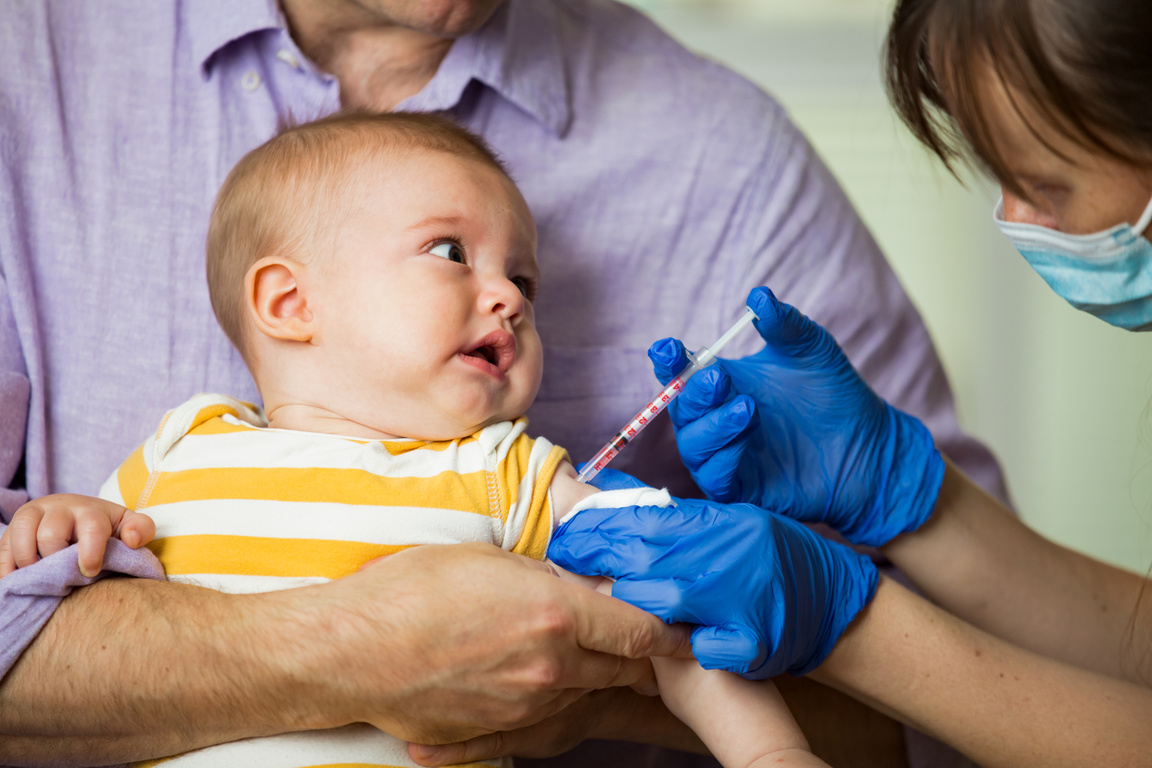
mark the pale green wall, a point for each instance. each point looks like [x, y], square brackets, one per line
[1059, 396]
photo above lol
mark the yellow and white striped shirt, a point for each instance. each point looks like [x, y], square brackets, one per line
[240, 507]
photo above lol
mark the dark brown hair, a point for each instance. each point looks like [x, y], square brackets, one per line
[1083, 66]
[285, 195]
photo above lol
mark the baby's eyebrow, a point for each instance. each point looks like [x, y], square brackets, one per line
[438, 221]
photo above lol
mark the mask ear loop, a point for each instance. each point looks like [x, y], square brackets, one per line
[1145, 220]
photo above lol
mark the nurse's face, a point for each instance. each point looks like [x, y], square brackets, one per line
[1071, 188]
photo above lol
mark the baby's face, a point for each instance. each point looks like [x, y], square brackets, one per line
[424, 304]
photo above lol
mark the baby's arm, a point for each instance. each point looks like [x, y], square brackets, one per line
[49, 524]
[744, 723]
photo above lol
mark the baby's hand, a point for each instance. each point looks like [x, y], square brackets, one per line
[49, 524]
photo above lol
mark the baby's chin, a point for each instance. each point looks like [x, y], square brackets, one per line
[445, 429]
[469, 431]
[469, 423]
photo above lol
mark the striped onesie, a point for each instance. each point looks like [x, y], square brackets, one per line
[240, 507]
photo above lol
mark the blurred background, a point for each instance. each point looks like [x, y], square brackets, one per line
[1061, 398]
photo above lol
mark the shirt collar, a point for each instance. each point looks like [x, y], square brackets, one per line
[213, 24]
[517, 54]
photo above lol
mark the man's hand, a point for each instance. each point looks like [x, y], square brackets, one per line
[555, 735]
[464, 640]
[435, 644]
[614, 713]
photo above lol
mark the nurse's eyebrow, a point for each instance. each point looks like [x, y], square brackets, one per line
[438, 221]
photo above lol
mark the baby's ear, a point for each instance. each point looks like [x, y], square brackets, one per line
[275, 300]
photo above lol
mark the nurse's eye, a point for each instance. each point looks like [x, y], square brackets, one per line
[449, 250]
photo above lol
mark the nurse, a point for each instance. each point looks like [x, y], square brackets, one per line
[1028, 653]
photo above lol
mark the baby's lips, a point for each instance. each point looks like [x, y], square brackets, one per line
[503, 347]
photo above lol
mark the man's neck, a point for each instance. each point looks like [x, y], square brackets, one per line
[378, 63]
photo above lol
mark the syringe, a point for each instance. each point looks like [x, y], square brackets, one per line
[701, 359]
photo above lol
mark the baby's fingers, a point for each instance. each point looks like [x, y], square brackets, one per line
[93, 529]
[7, 563]
[22, 534]
[136, 529]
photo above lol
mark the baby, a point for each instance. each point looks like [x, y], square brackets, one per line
[376, 272]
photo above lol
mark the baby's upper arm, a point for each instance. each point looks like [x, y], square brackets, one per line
[567, 492]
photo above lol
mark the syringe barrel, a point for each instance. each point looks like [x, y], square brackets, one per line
[600, 460]
[707, 356]
[639, 421]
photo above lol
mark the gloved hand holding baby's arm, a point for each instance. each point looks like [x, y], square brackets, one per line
[767, 594]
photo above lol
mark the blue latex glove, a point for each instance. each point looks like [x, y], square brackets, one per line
[768, 594]
[794, 428]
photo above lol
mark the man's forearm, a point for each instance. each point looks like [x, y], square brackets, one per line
[131, 669]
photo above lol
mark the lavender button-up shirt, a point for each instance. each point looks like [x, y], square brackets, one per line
[664, 188]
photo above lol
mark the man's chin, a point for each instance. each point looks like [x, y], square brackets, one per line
[439, 18]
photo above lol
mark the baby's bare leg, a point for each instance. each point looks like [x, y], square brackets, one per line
[744, 723]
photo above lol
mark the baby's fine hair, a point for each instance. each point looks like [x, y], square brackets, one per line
[284, 197]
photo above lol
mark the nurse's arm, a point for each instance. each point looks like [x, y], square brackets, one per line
[999, 704]
[976, 560]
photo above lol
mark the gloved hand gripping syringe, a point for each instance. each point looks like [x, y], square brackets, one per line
[702, 359]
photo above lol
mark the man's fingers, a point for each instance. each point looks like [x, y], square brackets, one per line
[484, 747]
[552, 736]
[613, 627]
[592, 670]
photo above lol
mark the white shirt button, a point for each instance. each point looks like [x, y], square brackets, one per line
[251, 80]
[288, 58]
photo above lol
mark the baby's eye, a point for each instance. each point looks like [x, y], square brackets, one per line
[526, 286]
[450, 251]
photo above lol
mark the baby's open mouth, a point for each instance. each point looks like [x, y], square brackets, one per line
[485, 353]
[497, 349]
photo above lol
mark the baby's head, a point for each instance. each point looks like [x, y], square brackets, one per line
[376, 272]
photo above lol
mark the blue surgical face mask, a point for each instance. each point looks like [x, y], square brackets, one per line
[1107, 274]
